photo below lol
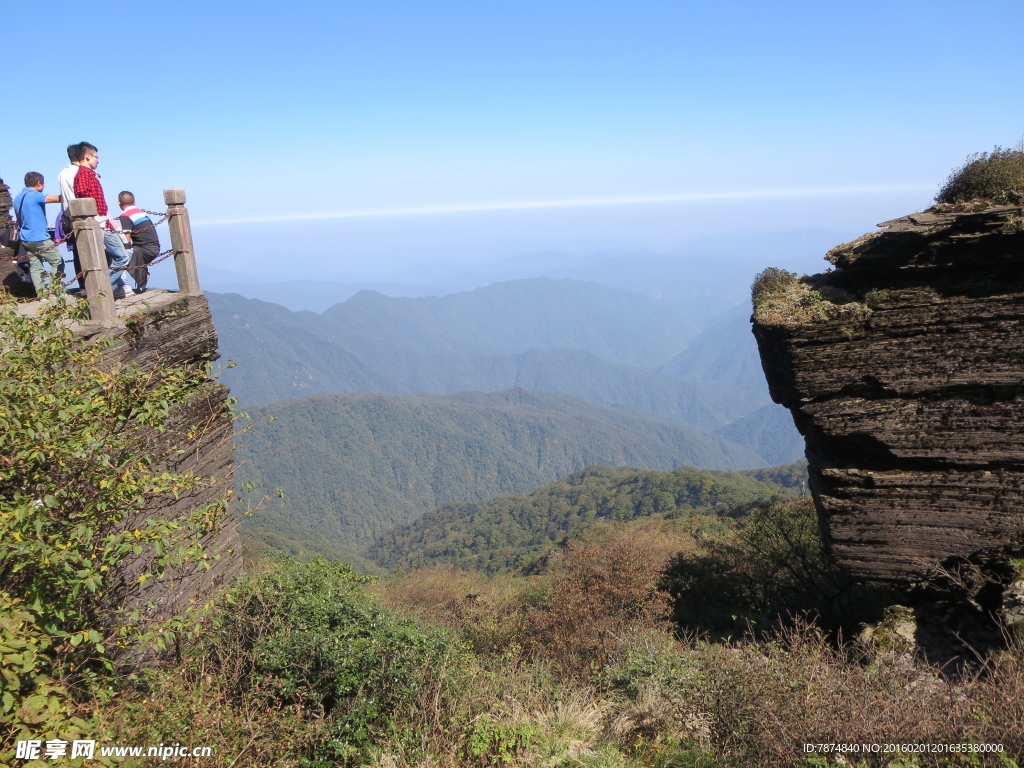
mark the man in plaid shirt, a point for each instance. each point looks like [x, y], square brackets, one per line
[87, 184]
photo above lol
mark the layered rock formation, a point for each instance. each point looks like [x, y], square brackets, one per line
[903, 368]
[164, 330]
[157, 330]
[9, 281]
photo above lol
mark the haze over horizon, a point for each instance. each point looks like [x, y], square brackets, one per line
[385, 141]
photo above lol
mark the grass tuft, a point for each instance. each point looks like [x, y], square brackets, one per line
[996, 176]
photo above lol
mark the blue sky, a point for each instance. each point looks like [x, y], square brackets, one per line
[422, 113]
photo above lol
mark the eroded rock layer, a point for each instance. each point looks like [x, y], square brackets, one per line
[170, 329]
[904, 370]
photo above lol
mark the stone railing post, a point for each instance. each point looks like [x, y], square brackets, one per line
[93, 257]
[181, 241]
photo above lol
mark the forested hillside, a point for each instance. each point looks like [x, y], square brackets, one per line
[267, 534]
[510, 532]
[769, 432]
[793, 476]
[353, 466]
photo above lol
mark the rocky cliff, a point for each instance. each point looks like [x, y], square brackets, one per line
[176, 329]
[903, 368]
[155, 331]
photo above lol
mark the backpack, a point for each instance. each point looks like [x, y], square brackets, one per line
[11, 235]
[67, 224]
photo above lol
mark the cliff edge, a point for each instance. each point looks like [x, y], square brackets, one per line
[903, 368]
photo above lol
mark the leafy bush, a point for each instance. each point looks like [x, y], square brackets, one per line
[308, 634]
[77, 479]
[33, 703]
[877, 297]
[602, 591]
[997, 175]
[771, 565]
[492, 743]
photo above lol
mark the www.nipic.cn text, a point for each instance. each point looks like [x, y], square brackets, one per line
[54, 749]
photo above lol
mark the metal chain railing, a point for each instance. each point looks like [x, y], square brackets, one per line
[55, 244]
[156, 260]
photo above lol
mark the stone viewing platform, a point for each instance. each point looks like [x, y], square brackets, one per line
[158, 326]
[153, 300]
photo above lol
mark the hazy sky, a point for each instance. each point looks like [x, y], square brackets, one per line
[468, 126]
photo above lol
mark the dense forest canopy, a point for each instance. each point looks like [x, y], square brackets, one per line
[509, 532]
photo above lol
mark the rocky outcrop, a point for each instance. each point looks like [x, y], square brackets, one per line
[903, 368]
[176, 329]
[158, 330]
[9, 280]
[5, 204]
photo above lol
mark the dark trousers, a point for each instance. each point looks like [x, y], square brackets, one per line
[77, 263]
[142, 255]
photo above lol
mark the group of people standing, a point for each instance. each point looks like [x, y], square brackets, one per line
[129, 239]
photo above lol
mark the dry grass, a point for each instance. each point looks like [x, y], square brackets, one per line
[659, 714]
[996, 177]
[780, 298]
[758, 703]
[487, 612]
[692, 703]
[591, 678]
[568, 727]
[174, 705]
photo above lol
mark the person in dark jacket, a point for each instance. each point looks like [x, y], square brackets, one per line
[142, 239]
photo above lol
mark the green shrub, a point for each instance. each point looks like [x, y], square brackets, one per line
[772, 565]
[307, 633]
[492, 743]
[811, 298]
[76, 484]
[877, 297]
[33, 703]
[997, 175]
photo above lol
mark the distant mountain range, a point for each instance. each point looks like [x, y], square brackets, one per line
[714, 272]
[473, 340]
[353, 466]
[606, 345]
